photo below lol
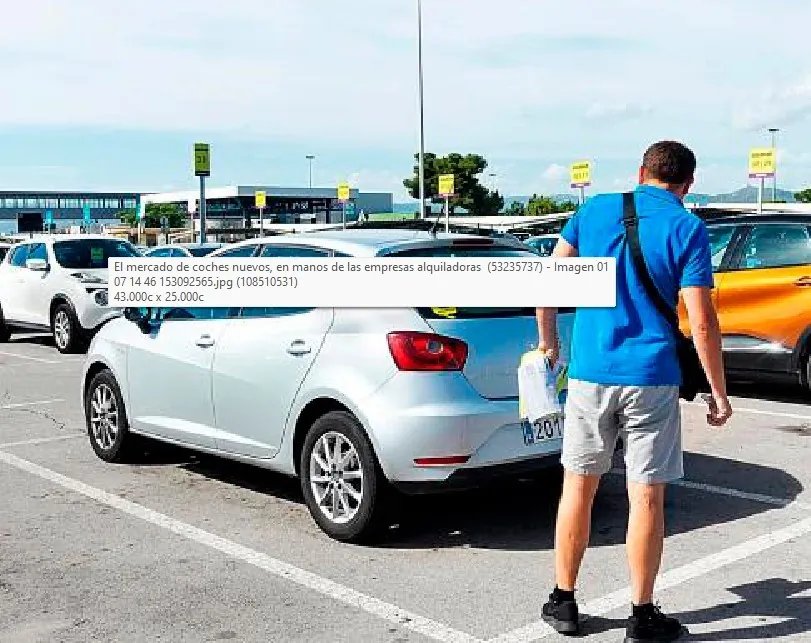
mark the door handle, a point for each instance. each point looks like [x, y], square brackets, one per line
[298, 347]
[205, 341]
[803, 282]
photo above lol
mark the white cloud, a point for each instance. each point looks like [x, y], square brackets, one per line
[617, 111]
[776, 107]
[555, 173]
[528, 82]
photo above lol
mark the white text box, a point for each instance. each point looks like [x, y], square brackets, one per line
[379, 282]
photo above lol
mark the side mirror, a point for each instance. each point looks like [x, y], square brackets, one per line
[38, 265]
[141, 317]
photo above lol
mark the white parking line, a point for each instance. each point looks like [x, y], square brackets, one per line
[734, 493]
[386, 611]
[672, 578]
[21, 405]
[55, 438]
[779, 414]
[33, 359]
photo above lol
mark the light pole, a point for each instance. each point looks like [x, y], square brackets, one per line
[773, 131]
[422, 111]
[311, 158]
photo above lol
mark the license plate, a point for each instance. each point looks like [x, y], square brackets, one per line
[543, 429]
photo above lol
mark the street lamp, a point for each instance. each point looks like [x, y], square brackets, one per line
[422, 110]
[773, 131]
[311, 158]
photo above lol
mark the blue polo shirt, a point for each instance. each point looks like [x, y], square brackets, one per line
[632, 344]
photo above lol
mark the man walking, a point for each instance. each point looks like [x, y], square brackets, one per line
[624, 379]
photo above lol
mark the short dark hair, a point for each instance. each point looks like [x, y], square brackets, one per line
[669, 162]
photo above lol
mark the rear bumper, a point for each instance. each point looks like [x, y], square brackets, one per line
[472, 477]
[416, 418]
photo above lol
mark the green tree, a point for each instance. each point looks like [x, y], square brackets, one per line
[467, 169]
[516, 209]
[540, 205]
[177, 216]
[803, 196]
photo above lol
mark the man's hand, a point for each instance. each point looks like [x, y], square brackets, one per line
[548, 342]
[551, 353]
[720, 410]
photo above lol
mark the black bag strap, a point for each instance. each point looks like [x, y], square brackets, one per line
[630, 220]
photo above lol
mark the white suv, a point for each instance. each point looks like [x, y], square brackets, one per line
[59, 283]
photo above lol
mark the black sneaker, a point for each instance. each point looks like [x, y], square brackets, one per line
[561, 615]
[653, 627]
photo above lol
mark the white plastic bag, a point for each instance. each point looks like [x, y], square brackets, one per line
[541, 388]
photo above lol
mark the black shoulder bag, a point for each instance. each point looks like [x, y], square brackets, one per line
[692, 374]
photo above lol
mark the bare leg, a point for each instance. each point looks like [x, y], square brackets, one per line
[645, 539]
[573, 527]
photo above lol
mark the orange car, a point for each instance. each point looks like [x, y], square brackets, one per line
[762, 266]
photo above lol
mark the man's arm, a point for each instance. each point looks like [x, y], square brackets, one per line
[706, 334]
[548, 317]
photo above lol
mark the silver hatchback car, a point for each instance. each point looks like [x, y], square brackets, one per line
[356, 402]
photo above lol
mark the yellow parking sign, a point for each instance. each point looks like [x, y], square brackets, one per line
[343, 192]
[202, 159]
[261, 199]
[762, 163]
[580, 174]
[446, 184]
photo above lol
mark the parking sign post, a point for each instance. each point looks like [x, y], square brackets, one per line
[260, 199]
[202, 168]
[446, 189]
[762, 165]
[580, 173]
[343, 197]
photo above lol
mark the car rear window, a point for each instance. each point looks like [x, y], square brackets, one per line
[466, 251]
[204, 251]
[474, 313]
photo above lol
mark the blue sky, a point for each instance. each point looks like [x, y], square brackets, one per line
[111, 95]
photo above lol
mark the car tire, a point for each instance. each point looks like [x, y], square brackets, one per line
[66, 330]
[807, 367]
[106, 419]
[5, 331]
[348, 509]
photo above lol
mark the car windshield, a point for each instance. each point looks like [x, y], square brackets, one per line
[3, 252]
[201, 251]
[83, 254]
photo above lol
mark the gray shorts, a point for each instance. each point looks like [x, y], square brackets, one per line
[647, 418]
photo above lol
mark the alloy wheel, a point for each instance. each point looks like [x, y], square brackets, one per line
[62, 329]
[336, 477]
[104, 416]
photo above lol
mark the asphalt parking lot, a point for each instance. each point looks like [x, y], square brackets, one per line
[182, 547]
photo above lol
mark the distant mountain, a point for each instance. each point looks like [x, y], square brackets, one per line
[746, 194]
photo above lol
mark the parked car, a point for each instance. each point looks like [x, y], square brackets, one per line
[59, 283]
[355, 402]
[183, 250]
[762, 267]
[543, 244]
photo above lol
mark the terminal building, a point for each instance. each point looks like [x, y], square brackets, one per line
[226, 207]
[235, 206]
[64, 208]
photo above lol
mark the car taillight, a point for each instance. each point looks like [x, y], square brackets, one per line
[414, 351]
